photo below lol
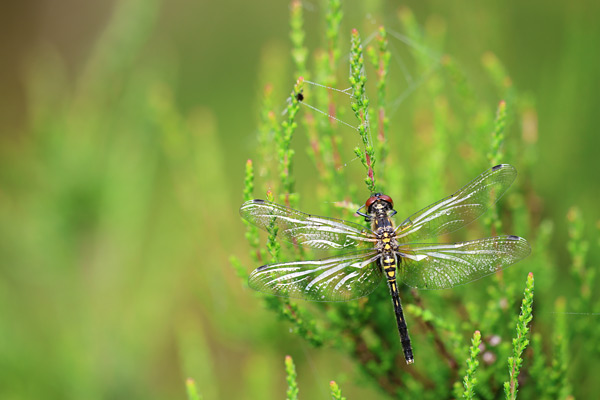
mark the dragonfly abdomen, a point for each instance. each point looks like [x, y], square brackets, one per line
[388, 263]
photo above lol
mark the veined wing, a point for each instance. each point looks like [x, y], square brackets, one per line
[305, 229]
[441, 266]
[339, 278]
[459, 209]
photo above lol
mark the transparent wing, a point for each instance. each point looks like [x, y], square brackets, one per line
[441, 266]
[305, 229]
[459, 209]
[340, 278]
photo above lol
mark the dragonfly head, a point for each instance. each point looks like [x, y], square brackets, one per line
[383, 201]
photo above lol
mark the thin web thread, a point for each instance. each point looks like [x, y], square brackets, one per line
[412, 83]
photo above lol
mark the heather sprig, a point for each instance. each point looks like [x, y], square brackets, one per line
[251, 231]
[496, 153]
[360, 106]
[470, 380]
[336, 392]
[520, 342]
[286, 153]
[297, 35]
[495, 156]
[556, 378]
[440, 322]
[290, 369]
[578, 248]
[380, 58]
[192, 391]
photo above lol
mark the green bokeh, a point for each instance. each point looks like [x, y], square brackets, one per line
[124, 134]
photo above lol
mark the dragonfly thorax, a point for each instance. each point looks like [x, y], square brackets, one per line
[383, 226]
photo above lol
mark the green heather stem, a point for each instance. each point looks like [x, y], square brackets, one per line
[336, 392]
[323, 138]
[333, 20]
[496, 153]
[461, 84]
[436, 137]
[381, 60]
[290, 369]
[558, 387]
[472, 363]
[497, 72]
[299, 51]
[251, 230]
[495, 156]
[324, 142]
[249, 181]
[304, 323]
[268, 127]
[284, 149]
[329, 140]
[192, 391]
[360, 106]
[448, 344]
[521, 341]
[578, 248]
[273, 245]
[502, 80]
[240, 269]
[538, 371]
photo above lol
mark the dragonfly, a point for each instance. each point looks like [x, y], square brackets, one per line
[386, 251]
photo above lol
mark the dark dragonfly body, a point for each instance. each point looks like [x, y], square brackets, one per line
[380, 208]
[394, 252]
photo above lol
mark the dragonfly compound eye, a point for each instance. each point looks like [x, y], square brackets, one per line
[379, 196]
[387, 198]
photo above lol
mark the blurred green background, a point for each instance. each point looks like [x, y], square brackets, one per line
[124, 130]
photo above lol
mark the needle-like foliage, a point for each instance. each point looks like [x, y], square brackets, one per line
[440, 322]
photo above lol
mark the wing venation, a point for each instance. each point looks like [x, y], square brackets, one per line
[305, 229]
[338, 278]
[441, 266]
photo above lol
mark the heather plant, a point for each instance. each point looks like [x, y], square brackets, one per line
[454, 135]
[120, 187]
